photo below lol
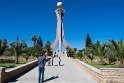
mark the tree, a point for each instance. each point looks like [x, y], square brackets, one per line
[39, 46]
[40, 42]
[111, 56]
[5, 42]
[118, 48]
[37, 49]
[34, 38]
[23, 43]
[3, 45]
[70, 52]
[91, 56]
[26, 53]
[79, 55]
[48, 48]
[88, 52]
[88, 41]
[75, 50]
[16, 49]
[100, 50]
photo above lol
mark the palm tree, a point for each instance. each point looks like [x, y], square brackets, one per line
[91, 57]
[89, 53]
[34, 38]
[111, 56]
[16, 49]
[100, 51]
[118, 48]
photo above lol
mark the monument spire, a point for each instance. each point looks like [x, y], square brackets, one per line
[60, 30]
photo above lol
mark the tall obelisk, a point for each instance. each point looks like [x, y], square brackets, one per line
[60, 31]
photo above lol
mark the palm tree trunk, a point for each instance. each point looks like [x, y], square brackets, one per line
[16, 59]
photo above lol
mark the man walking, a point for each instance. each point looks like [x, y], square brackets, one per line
[41, 64]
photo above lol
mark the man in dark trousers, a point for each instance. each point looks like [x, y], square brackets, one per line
[41, 64]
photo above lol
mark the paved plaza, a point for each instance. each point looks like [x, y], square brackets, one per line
[68, 72]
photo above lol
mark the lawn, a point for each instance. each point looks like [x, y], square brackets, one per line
[102, 66]
[9, 65]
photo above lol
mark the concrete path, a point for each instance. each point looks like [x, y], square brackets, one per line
[67, 73]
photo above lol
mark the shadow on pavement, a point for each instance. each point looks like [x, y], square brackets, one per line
[59, 65]
[51, 78]
[56, 65]
[15, 79]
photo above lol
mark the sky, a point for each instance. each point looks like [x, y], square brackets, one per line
[102, 19]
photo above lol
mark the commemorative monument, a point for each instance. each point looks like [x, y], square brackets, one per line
[60, 30]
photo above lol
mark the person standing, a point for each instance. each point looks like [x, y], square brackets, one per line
[41, 64]
[59, 60]
[48, 61]
[51, 55]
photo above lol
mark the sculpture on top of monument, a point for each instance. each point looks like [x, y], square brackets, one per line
[60, 30]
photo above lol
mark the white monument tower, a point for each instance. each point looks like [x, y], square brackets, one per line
[60, 30]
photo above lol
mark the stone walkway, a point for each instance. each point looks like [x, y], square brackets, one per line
[67, 73]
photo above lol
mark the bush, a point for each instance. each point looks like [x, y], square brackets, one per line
[8, 53]
[79, 55]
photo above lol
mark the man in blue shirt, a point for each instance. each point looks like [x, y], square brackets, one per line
[41, 64]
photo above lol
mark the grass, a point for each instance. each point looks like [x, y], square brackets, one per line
[102, 66]
[10, 65]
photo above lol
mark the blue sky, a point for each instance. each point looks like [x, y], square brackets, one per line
[103, 19]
